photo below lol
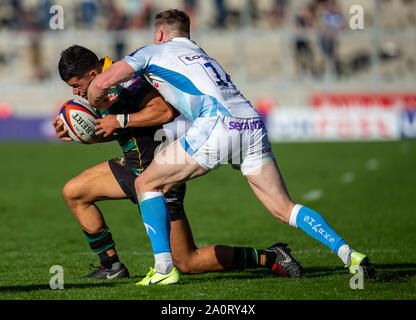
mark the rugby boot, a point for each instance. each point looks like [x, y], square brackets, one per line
[118, 270]
[361, 261]
[156, 278]
[285, 265]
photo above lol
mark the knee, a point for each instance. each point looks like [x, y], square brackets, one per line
[142, 185]
[185, 266]
[182, 266]
[187, 263]
[72, 191]
[139, 185]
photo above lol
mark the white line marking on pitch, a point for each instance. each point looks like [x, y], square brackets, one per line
[347, 177]
[404, 148]
[312, 195]
[372, 164]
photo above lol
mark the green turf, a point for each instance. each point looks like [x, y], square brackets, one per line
[366, 191]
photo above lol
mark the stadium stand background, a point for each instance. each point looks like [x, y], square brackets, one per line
[279, 53]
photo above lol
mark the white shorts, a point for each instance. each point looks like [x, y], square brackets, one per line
[217, 140]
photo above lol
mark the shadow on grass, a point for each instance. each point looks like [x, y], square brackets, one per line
[36, 287]
[226, 275]
[400, 272]
[385, 272]
[395, 272]
[316, 272]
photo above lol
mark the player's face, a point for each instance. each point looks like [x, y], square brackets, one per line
[80, 85]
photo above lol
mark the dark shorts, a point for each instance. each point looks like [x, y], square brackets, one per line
[126, 173]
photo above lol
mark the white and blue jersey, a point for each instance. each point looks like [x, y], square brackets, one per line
[190, 80]
[225, 126]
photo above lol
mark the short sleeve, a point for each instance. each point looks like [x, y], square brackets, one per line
[139, 60]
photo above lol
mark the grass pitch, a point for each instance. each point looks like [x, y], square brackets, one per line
[366, 191]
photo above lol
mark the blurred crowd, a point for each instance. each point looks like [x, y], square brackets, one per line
[314, 25]
[85, 14]
[327, 18]
[137, 14]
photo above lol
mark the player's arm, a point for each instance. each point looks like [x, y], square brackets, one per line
[98, 90]
[154, 111]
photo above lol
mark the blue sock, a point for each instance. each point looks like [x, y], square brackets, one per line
[156, 219]
[315, 225]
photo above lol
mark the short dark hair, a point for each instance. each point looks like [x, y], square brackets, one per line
[178, 21]
[77, 61]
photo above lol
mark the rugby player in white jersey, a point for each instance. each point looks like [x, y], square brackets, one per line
[225, 128]
[146, 111]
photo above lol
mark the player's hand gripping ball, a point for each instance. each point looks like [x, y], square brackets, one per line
[79, 118]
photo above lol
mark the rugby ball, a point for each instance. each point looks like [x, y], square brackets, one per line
[79, 118]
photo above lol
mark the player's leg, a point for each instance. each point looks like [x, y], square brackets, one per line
[92, 185]
[170, 167]
[189, 259]
[268, 185]
[186, 256]
[80, 193]
[176, 164]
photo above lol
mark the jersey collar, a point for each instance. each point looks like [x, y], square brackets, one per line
[182, 39]
[106, 61]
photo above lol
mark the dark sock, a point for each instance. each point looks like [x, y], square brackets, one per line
[107, 261]
[100, 243]
[245, 258]
[270, 258]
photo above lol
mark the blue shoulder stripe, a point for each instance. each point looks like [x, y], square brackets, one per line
[176, 79]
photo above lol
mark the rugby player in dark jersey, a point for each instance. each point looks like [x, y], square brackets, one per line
[133, 119]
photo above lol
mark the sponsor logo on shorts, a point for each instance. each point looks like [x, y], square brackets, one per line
[244, 125]
[121, 161]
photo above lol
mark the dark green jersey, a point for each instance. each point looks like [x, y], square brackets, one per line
[138, 144]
